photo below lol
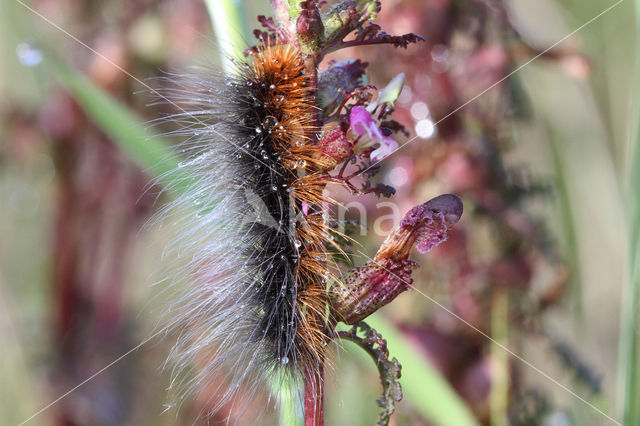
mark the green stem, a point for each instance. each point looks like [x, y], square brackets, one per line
[499, 395]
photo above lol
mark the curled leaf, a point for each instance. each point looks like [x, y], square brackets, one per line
[390, 369]
[346, 16]
[339, 79]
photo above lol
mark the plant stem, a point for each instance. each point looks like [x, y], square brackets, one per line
[313, 396]
[499, 395]
[311, 69]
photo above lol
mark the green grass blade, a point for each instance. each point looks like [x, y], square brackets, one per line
[630, 336]
[567, 218]
[227, 18]
[150, 152]
[499, 392]
[426, 389]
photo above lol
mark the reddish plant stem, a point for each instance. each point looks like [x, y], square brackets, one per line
[314, 396]
[311, 69]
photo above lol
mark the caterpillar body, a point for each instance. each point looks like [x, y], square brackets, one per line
[253, 242]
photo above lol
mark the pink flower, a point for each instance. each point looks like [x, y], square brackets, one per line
[370, 134]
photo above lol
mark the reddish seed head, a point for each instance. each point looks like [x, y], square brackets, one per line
[334, 145]
[377, 283]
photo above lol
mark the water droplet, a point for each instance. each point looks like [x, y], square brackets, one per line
[269, 122]
[258, 130]
[274, 188]
[298, 243]
[284, 360]
[329, 237]
[273, 86]
[29, 54]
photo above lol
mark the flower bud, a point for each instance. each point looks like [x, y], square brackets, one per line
[389, 94]
[309, 28]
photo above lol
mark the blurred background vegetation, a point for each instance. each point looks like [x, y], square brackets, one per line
[544, 260]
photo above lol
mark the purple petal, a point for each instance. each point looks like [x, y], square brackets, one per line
[361, 121]
[387, 147]
[431, 220]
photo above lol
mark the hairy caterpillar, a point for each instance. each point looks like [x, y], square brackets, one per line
[257, 305]
[261, 145]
